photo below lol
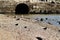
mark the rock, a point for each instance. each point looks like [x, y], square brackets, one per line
[45, 28]
[59, 22]
[39, 38]
[59, 30]
[16, 24]
[18, 19]
[25, 27]
[41, 19]
[46, 18]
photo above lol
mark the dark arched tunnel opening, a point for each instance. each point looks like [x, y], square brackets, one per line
[22, 9]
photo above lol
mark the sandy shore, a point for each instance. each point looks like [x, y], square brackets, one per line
[22, 28]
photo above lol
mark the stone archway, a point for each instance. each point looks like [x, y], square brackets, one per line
[22, 9]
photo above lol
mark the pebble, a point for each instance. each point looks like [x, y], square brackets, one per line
[41, 19]
[45, 28]
[39, 38]
[16, 24]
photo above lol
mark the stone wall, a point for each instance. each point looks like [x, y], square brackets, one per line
[7, 6]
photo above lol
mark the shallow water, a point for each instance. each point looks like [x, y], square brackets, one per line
[52, 19]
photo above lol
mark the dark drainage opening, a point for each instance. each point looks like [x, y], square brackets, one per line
[22, 9]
